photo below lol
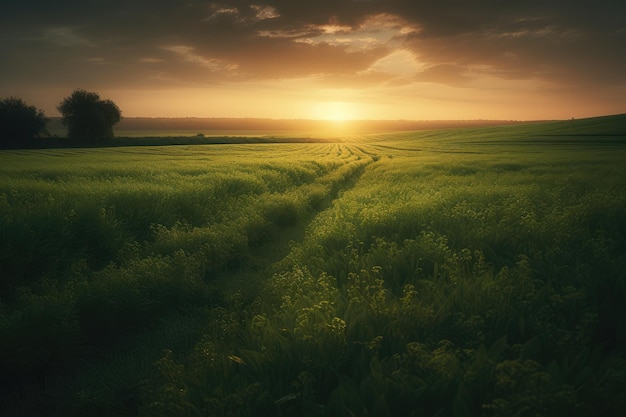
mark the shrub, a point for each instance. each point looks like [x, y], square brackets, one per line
[19, 122]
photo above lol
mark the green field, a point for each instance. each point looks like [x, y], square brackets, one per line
[448, 272]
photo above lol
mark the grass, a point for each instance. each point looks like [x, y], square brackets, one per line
[445, 272]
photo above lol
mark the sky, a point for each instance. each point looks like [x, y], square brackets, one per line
[322, 59]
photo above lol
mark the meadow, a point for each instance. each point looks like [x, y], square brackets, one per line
[449, 272]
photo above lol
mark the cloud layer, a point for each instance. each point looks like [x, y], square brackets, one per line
[568, 47]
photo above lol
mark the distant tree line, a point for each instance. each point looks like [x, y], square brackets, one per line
[88, 118]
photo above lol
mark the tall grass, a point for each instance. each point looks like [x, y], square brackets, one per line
[464, 282]
[452, 273]
[99, 245]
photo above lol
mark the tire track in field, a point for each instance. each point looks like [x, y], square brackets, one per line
[337, 181]
[248, 282]
[362, 161]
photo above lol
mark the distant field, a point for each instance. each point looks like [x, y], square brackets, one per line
[474, 271]
[187, 127]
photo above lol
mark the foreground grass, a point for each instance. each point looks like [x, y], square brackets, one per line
[472, 272]
[100, 244]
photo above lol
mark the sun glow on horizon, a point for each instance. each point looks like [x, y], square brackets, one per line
[337, 111]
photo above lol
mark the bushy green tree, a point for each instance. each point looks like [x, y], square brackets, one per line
[88, 117]
[20, 122]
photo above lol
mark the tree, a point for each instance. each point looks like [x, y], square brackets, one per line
[20, 122]
[87, 117]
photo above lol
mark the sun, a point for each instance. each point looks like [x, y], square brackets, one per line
[334, 110]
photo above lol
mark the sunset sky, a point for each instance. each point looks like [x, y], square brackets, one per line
[322, 59]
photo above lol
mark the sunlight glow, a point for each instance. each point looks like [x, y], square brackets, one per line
[334, 110]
